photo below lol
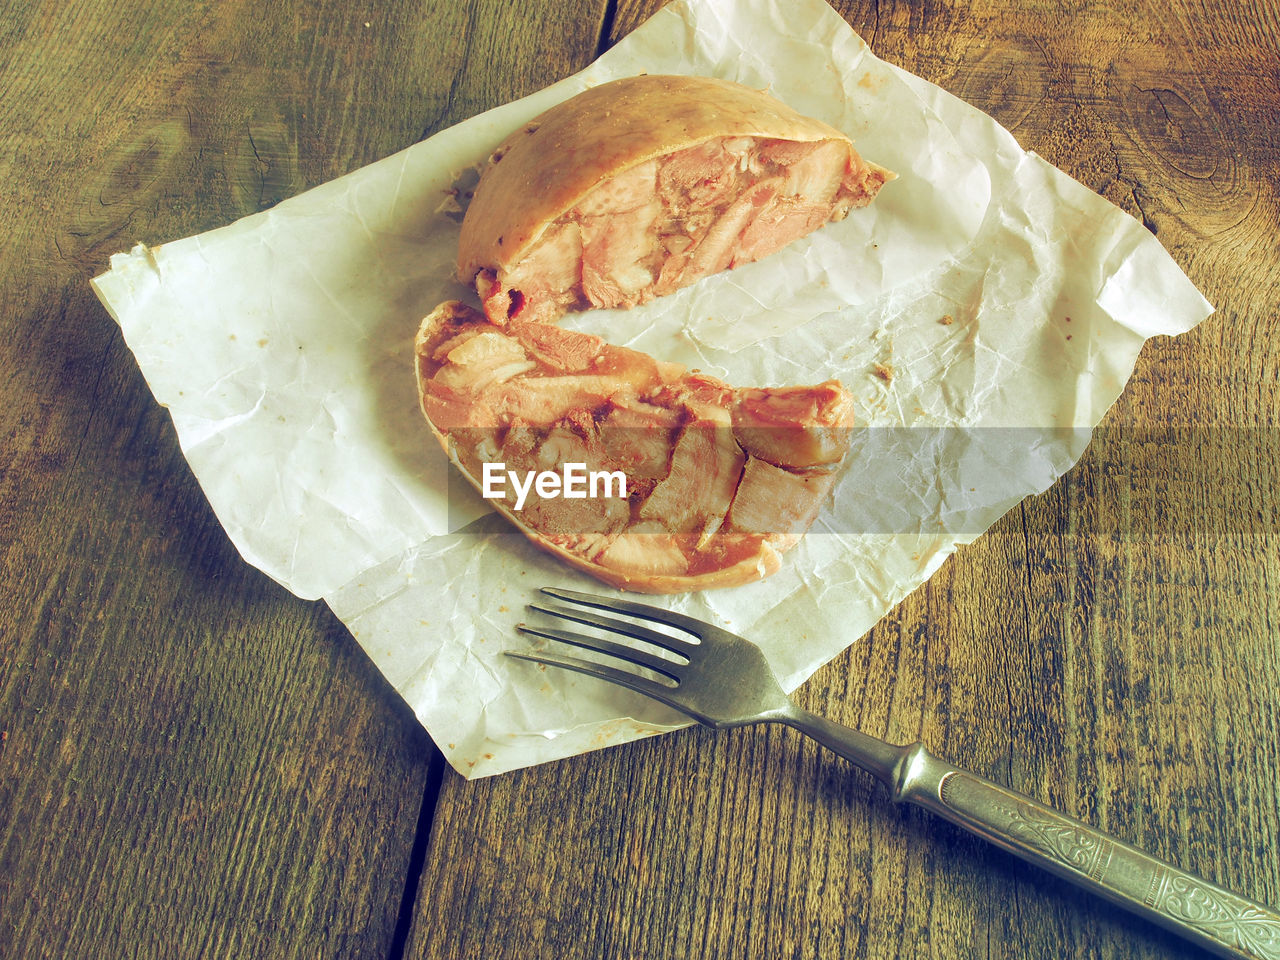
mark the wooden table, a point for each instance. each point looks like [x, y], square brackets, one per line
[194, 763]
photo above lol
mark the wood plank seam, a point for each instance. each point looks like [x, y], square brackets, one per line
[417, 857]
[603, 42]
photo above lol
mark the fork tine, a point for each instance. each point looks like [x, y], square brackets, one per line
[622, 678]
[633, 630]
[644, 611]
[600, 645]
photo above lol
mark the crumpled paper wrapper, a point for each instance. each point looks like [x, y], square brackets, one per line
[986, 310]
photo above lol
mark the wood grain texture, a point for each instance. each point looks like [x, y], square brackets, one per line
[192, 762]
[1109, 647]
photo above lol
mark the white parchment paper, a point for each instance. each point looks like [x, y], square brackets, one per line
[986, 310]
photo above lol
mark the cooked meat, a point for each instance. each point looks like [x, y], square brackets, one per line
[793, 426]
[777, 501]
[718, 481]
[640, 436]
[705, 467]
[641, 186]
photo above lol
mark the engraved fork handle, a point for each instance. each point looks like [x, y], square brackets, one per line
[1190, 906]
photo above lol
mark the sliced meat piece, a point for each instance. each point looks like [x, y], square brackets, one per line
[641, 186]
[774, 502]
[640, 437]
[794, 426]
[649, 550]
[784, 220]
[615, 250]
[717, 248]
[705, 466]
[544, 400]
[544, 284]
[815, 175]
[557, 348]
[694, 506]
[527, 448]
[478, 362]
[701, 177]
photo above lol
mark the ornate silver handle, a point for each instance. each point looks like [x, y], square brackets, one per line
[1190, 906]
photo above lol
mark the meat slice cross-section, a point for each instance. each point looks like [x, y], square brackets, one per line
[684, 483]
[638, 187]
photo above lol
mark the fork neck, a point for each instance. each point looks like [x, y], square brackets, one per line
[880, 759]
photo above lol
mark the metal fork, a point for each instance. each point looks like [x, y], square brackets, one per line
[723, 680]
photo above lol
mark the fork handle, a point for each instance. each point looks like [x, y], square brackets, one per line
[1190, 906]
